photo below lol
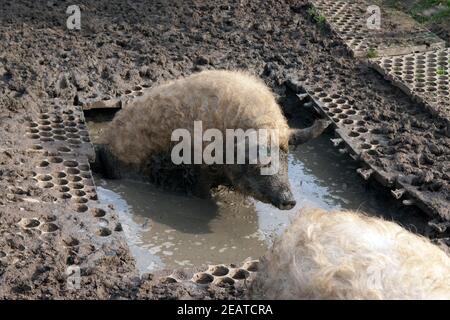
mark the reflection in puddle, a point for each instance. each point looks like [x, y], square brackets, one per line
[167, 230]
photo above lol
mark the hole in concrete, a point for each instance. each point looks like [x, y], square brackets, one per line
[362, 130]
[76, 186]
[82, 208]
[224, 281]
[29, 223]
[33, 136]
[219, 271]
[240, 274]
[348, 121]
[75, 178]
[81, 200]
[251, 265]
[79, 193]
[56, 160]
[203, 278]
[73, 136]
[64, 189]
[58, 126]
[72, 130]
[61, 174]
[45, 134]
[44, 123]
[103, 232]
[70, 163]
[71, 241]
[62, 182]
[49, 227]
[73, 171]
[97, 212]
[70, 124]
[44, 177]
[47, 185]
[64, 149]
[44, 139]
[45, 128]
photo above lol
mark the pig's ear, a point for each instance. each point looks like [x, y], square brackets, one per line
[299, 136]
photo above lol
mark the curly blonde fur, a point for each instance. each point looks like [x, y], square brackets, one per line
[221, 99]
[346, 255]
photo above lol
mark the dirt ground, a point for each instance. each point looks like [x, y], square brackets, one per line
[125, 43]
[434, 14]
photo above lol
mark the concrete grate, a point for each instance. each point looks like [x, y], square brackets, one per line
[348, 19]
[365, 142]
[219, 275]
[60, 141]
[107, 102]
[423, 76]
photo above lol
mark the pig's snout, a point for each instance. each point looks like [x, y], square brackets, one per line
[285, 201]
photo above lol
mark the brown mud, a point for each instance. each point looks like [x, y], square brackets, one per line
[125, 43]
[434, 17]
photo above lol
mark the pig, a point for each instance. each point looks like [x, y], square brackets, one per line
[349, 255]
[138, 139]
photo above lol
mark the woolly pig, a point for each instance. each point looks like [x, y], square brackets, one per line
[222, 100]
[346, 255]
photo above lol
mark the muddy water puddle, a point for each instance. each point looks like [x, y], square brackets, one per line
[167, 230]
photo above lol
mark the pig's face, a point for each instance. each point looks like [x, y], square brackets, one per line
[274, 189]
